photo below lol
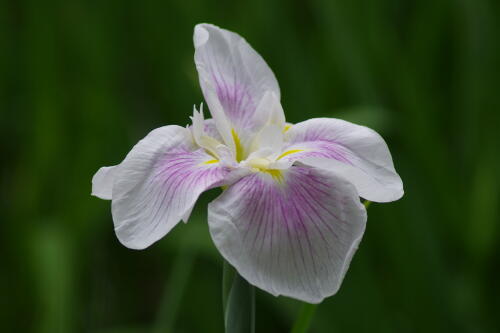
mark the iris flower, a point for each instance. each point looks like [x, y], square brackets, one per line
[289, 218]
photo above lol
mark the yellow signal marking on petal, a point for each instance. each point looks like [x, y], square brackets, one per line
[276, 174]
[293, 151]
[287, 127]
[211, 162]
[237, 145]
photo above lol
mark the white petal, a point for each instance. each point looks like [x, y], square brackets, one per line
[226, 156]
[233, 77]
[158, 183]
[204, 132]
[293, 234]
[356, 152]
[270, 137]
[102, 183]
[269, 111]
[211, 130]
[198, 129]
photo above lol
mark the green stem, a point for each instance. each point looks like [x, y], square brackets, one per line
[306, 314]
[304, 319]
[228, 273]
[238, 302]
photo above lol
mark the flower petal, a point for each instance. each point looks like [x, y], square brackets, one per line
[211, 130]
[205, 133]
[269, 111]
[102, 182]
[290, 232]
[356, 152]
[158, 183]
[269, 138]
[233, 77]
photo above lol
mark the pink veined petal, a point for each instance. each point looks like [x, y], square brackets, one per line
[356, 152]
[291, 234]
[158, 183]
[233, 77]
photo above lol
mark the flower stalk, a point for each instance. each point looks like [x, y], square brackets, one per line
[238, 298]
[304, 319]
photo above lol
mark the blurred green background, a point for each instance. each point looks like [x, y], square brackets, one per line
[82, 81]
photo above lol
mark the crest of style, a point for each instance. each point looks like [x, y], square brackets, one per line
[289, 218]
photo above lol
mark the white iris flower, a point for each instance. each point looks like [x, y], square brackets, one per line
[290, 218]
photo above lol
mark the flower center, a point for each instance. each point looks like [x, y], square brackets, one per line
[259, 163]
[262, 165]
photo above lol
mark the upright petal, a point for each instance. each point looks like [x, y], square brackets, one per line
[158, 183]
[270, 137]
[356, 152]
[269, 111]
[233, 77]
[204, 133]
[291, 232]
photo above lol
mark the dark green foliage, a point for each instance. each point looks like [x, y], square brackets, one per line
[82, 81]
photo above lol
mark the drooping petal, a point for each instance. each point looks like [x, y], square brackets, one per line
[290, 232]
[233, 77]
[102, 182]
[356, 152]
[158, 183]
